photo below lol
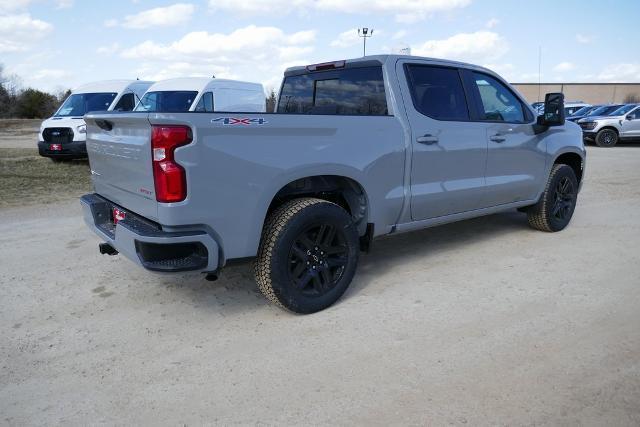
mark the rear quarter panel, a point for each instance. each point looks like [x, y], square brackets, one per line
[234, 171]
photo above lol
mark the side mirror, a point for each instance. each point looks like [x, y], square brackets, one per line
[553, 110]
[630, 117]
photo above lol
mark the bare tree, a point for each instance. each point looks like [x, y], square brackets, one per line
[271, 101]
[632, 98]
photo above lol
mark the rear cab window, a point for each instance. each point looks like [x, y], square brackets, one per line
[348, 91]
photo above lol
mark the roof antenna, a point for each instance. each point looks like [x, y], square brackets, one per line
[213, 76]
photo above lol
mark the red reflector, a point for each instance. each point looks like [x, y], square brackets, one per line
[55, 147]
[118, 215]
[169, 177]
[326, 66]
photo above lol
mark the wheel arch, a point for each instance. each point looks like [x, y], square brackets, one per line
[345, 191]
[574, 161]
[609, 127]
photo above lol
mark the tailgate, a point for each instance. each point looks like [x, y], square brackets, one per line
[119, 149]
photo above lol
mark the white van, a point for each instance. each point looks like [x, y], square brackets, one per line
[203, 94]
[63, 135]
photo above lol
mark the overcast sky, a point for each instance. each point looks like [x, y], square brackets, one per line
[55, 44]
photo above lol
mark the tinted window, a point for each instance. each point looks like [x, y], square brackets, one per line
[206, 103]
[582, 111]
[604, 110]
[570, 111]
[126, 102]
[167, 101]
[622, 110]
[357, 91]
[498, 102]
[437, 92]
[634, 115]
[81, 103]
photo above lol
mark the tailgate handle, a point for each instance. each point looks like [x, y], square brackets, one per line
[104, 124]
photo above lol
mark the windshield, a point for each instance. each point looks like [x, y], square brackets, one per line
[79, 104]
[623, 110]
[174, 101]
[582, 111]
[603, 111]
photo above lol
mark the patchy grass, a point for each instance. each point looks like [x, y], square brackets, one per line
[28, 179]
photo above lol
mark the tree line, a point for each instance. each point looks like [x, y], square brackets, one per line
[29, 103]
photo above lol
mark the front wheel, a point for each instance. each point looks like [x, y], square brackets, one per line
[308, 255]
[606, 138]
[558, 201]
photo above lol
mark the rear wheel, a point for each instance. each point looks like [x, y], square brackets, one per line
[555, 208]
[606, 138]
[308, 255]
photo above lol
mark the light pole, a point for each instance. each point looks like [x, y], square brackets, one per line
[365, 33]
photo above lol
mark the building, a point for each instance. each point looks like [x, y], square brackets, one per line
[592, 93]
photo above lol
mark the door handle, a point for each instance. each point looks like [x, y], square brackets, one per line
[497, 138]
[427, 139]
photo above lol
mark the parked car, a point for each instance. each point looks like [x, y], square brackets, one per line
[356, 149]
[203, 94]
[570, 108]
[606, 131]
[63, 135]
[538, 107]
[582, 112]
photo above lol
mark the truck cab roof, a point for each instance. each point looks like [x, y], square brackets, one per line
[387, 58]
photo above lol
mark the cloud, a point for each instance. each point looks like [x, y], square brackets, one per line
[399, 34]
[13, 5]
[584, 39]
[176, 14]
[7, 6]
[478, 47]
[19, 32]
[403, 10]
[108, 49]
[563, 67]
[506, 70]
[50, 73]
[492, 23]
[347, 39]
[251, 53]
[622, 72]
[64, 4]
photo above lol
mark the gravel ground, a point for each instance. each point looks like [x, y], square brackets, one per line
[480, 322]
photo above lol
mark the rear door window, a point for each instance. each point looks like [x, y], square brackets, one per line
[437, 92]
[350, 91]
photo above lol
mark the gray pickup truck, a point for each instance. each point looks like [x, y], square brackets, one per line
[356, 149]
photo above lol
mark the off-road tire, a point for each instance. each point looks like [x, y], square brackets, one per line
[282, 230]
[541, 216]
[606, 138]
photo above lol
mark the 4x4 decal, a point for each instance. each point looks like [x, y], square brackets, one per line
[245, 121]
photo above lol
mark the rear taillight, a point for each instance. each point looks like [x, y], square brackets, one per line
[169, 177]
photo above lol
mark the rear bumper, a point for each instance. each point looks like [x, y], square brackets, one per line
[69, 150]
[146, 244]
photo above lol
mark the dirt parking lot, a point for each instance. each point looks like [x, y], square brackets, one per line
[481, 322]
